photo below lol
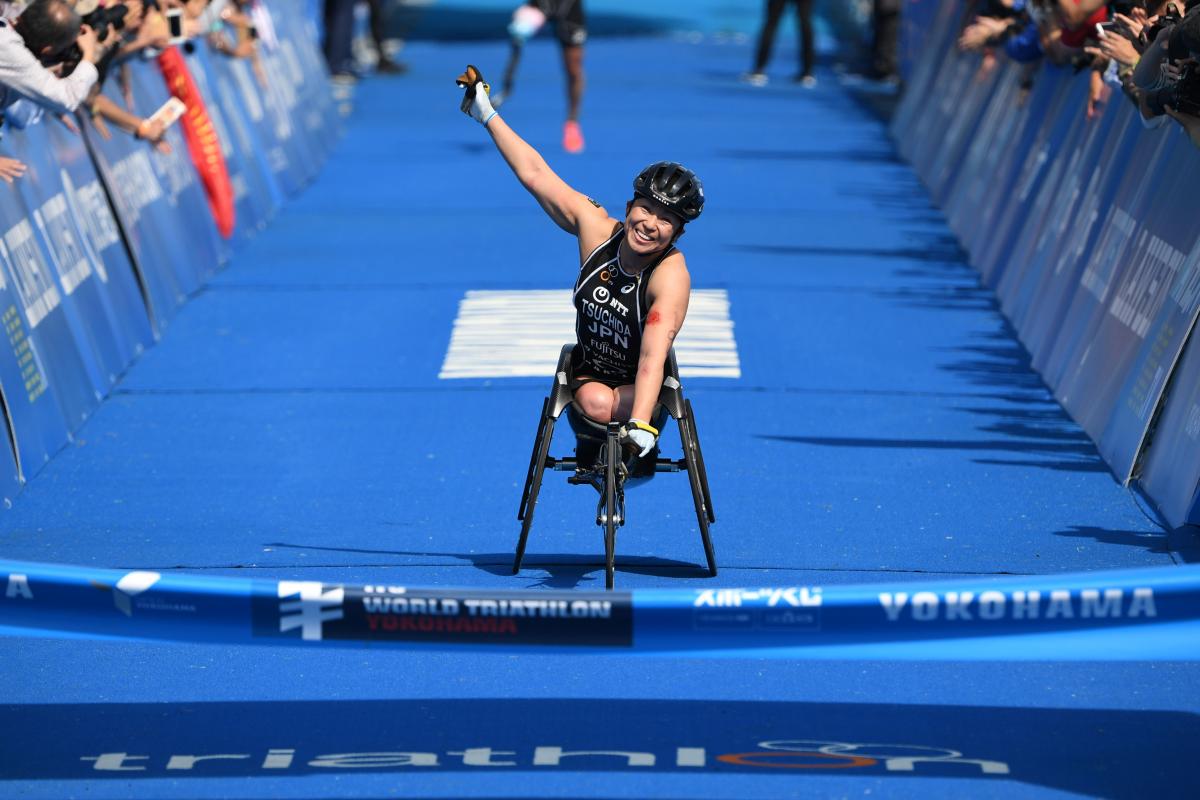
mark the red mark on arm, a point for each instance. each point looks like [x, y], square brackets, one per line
[654, 318]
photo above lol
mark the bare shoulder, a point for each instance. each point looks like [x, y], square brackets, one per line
[595, 228]
[671, 281]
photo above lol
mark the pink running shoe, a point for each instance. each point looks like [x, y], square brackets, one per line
[572, 137]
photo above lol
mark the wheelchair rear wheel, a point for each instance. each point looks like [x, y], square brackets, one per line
[691, 420]
[687, 434]
[533, 481]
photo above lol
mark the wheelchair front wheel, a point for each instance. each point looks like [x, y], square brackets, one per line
[611, 457]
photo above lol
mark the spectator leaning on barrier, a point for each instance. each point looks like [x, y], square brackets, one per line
[40, 38]
[136, 35]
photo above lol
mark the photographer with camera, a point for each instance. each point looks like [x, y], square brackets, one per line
[34, 46]
[1167, 78]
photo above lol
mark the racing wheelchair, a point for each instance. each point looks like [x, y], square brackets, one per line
[605, 460]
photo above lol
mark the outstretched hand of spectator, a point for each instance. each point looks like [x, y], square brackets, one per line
[1134, 24]
[976, 35]
[1190, 123]
[10, 169]
[1098, 93]
[1117, 48]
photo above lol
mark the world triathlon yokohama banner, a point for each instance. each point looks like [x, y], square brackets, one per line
[1087, 233]
[1131, 614]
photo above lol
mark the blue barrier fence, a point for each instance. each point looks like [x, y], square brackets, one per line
[1128, 614]
[1086, 231]
[106, 236]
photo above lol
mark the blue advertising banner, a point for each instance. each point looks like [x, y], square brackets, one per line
[1171, 469]
[1030, 160]
[1129, 614]
[274, 131]
[10, 477]
[1061, 167]
[316, 113]
[1087, 185]
[94, 301]
[35, 419]
[965, 125]
[42, 317]
[1151, 313]
[282, 98]
[981, 165]
[139, 202]
[1099, 349]
[246, 131]
[101, 236]
[1020, 133]
[69, 265]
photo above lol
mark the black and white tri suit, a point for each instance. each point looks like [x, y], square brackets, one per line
[610, 315]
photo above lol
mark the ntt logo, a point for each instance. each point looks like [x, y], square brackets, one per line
[774, 754]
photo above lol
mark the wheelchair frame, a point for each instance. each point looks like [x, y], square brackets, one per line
[609, 473]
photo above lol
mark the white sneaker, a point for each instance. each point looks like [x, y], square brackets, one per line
[755, 78]
[808, 81]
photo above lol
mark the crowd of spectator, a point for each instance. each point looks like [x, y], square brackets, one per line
[1149, 50]
[57, 55]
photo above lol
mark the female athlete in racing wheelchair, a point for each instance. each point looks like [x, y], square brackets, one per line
[618, 382]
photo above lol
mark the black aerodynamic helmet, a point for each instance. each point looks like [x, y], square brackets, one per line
[673, 185]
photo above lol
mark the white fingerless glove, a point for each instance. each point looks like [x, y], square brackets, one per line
[475, 99]
[643, 434]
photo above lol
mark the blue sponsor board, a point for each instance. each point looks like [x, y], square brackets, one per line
[273, 128]
[10, 476]
[1073, 225]
[101, 236]
[1073, 369]
[65, 259]
[983, 158]
[108, 316]
[35, 420]
[1152, 312]
[244, 127]
[43, 321]
[973, 87]
[1029, 167]
[1171, 471]
[139, 202]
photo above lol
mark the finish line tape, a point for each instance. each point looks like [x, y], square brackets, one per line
[1125, 614]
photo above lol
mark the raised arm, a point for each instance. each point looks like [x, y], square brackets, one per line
[570, 210]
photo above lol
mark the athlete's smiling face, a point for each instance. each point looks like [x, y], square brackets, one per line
[650, 226]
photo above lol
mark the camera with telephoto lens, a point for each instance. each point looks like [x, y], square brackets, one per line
[1168, 19]
[1184, 94]
[104, 16]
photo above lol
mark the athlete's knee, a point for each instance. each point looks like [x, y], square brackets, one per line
[596, 401]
